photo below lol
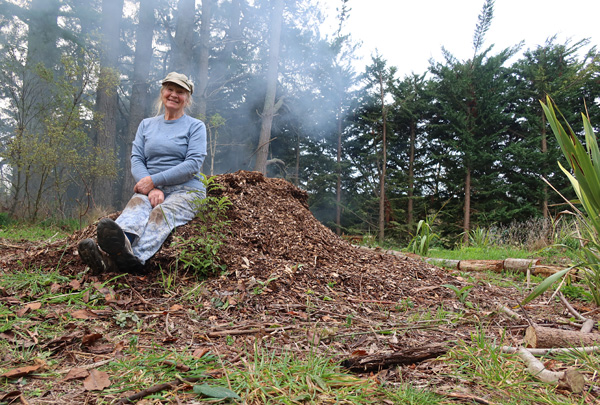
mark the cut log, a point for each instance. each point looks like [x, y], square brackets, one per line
[376, 362]
[481, 265]
[520, 265]
[447, 263]
[543, 337]
[544, 270]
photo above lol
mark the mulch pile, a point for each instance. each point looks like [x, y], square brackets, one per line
[290, 279]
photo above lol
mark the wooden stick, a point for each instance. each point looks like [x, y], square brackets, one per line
[156, 388]
[544, 352]
[570, 379]
[376, 362]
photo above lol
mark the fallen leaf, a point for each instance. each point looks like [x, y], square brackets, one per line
[9, 397]
[34, 305]
[90, 339]
[22, 371]
[55, 287]
[359, 352]
[176, 307]
[83, 314]
[75, 285]
[96, 381]
[200, 352]
[101, 349]
[76, 373]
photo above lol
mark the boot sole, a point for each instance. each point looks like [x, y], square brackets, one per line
[91, 256]
[111, 239]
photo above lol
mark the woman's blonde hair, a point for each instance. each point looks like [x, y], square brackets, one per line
[159, 107]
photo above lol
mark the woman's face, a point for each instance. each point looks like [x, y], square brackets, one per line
[174, 97]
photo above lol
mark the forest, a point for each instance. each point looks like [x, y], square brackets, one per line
[466, 140]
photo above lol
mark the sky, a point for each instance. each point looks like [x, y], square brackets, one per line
[408, 33]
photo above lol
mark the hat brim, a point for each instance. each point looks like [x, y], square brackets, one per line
[180, 83]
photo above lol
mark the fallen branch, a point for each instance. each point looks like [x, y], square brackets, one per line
[554, 350]
[157, 388]
[233, 332]
[376, 362]
[508, 311]
[570, 379]
[588, 324]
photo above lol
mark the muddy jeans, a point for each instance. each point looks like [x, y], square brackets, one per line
[152, 226]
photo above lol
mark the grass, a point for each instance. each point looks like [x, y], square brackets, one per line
[502, 378]
[269, 372]
[46, 231]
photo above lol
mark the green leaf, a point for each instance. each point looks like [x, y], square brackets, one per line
[544, 285]
[215, 392]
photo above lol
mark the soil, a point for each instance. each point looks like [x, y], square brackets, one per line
[290, 283]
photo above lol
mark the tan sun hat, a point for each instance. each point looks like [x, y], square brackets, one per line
[179, 79]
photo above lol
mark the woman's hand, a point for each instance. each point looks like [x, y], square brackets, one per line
[144, 186]
[156, 197]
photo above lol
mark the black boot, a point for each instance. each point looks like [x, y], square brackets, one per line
[113, 241]
[90, 255]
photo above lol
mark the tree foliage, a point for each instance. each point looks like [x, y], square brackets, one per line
[468, 135]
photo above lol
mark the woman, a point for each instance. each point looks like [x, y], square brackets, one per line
[166, 157]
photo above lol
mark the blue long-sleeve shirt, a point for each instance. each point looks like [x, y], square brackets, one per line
[171, 152]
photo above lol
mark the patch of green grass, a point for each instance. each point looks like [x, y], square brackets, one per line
[271, 377]
[156, 365]
[32, 282]
[47, 230]
[479, 253]
[503, 378]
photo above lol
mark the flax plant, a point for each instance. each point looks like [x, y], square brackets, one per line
[584, 176]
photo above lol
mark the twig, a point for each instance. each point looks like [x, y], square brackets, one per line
[543, 352]
[508, 311]
[572, 310]
[246, 331]
[87, 366]
[167, 325]
[157, 388]
[588, 324]
[464, 396]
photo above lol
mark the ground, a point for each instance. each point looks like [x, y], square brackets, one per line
[289, 282]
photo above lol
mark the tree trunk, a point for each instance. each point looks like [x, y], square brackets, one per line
[106, 98]
[139, 89]
[411, 174]
[467, 207]
[544, 145]
[270, 108]
[201, 84]
[338, 187]
[183, 41]
[383, 163]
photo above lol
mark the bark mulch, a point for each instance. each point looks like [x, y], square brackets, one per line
[290, 283]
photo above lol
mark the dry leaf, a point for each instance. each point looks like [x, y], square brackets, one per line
[75, 285]
[101, 349]
[34, 305]
[200, 352]
[90, 339]
[55, 288]
[76, 373]
[176, 307]
[22, 371]
[96, 381]
[83, 314]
